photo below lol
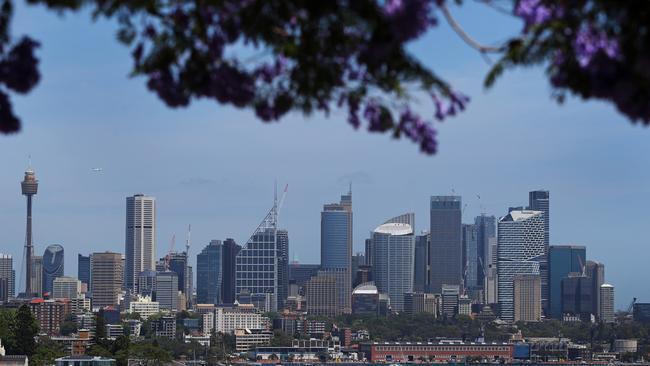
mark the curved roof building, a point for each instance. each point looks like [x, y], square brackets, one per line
[52, 266]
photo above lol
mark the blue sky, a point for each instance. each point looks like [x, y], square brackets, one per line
[213, 166]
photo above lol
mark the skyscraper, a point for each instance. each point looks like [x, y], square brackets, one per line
[178, 265]
[527, 289]
[470, 258]
[322, 295]
[486, 230]
[562, 260]
[37, 275]
[83, 269]
[336, 241]
[107, 274]
[421, 263]
[520, 247]
[8, 274]
[283, 266]
[29, 187]
[66, 287]
[393, 246]
[540, 201]
[257, 265]
[230, 251]
[606, 311]
[209, 273]
[53, 265]
[577, 296]
[140, 242]
[446, 242]
[167, 290]
[596, 272]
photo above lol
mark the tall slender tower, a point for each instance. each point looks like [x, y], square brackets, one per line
[29, 187]
[140, 242]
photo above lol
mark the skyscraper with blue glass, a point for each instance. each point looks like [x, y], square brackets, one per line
[336, 242]
[562, 260]
[445, 245]
[209, 273]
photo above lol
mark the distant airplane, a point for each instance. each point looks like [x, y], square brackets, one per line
[97, 170]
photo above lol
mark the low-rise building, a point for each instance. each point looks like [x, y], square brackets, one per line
[144, 306]
[437, 352]
[247, 339]
[165, 327]
[84, 361]
[50, 314]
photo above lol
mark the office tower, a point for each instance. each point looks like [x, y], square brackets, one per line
[83, 269]
[368, 251]
[283, 266]
[178, 264]
[66, 287]
[230, 251]
[53, 265]
[393, 245]
[421, 263]
[562, 260]
[365, 299]
[420, 302]
[209, 273]
[322, 295]
[140, 241]
[577, 296]
[299, 273]
[491, 285]
[336, 241]
[445, 244]
[107, 276]
[450, 296]
[520, 247]
[167, 290]
[7, 273]
[358, 260]
[363, 275]
[540, 201]
[470, 258]
[29, 187]
[257, 264]
[606, 310]
[527, 290]
[147, 283]
[596, 272]
[486, 230]
[37, 275]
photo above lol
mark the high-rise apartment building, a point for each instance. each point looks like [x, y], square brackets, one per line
[520, 247]
[606, 311]
[540, 201]
[53, 266]
[257, 265]
[393, 245]
[66, 287]
[527, 290]
[336, 237]
[322, 295]
[140, 241]
[282, 237]
[49, 314]
[167, 290]
[209, 273]
[486, 232]
[37, 275]
[562, 260]
[230, 251]
[8, 274]
[83, 269]
[107, 274]
[446, 242]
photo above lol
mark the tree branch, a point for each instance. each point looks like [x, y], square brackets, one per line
[466, 37]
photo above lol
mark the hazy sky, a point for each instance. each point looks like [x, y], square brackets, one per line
[213, 166]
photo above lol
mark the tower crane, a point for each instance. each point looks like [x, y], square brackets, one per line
[187, 241]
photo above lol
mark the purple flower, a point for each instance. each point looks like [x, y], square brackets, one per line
[589, 42]
[533, 12]
[409, 18]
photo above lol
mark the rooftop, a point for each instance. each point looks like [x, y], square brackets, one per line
[394, 228]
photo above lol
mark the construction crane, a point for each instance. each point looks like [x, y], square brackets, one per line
[187, 241]
[171, 250]
[631, 307]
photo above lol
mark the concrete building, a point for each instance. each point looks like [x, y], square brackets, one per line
[140, 240]
[520, 248]
[247, 339]
[37, 275]
[66, 288]
[450, 300]
[83, 360]
[322, 295]
[144, 306]
[527, 298]
[420, 302]
[393, 246]
[606, 311]
[7, 274]
[49, 314]
[167, 290]
[336, 242]
[53, 266]
[165, 326]
[29, 187]
[445, 246]
[107, 275]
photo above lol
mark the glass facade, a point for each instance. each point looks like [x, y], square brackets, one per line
[83, 268]
[446, 242]
[563, 259]
[52, 266]
[470, 256]
[257, 267]
[209, 274]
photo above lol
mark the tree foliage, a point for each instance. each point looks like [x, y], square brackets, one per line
[25, 331]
